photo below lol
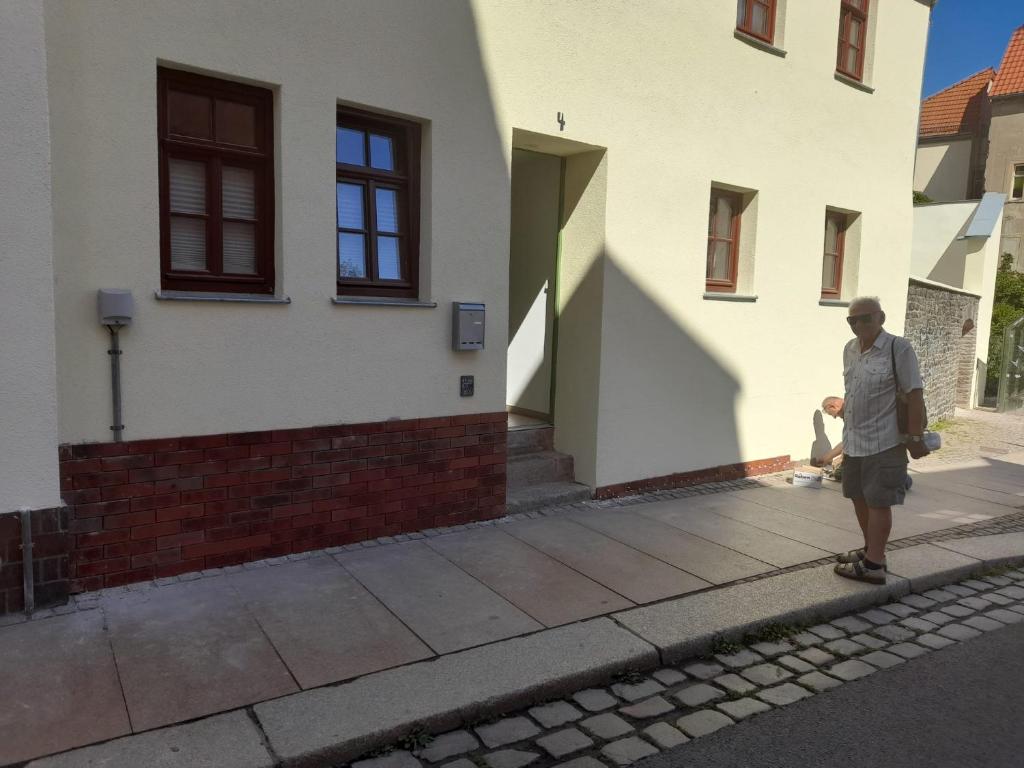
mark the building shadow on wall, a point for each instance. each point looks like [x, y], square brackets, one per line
[664, 404]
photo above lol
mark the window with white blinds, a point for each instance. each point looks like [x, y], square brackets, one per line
[216, 140]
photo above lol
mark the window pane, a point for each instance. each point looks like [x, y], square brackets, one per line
[351, 146]
[188, 115]
[239, 248]
[855, 31]
[350, 206]
[389, 267]
[760, 19]
[187, 186]
[831, 235]
[828, 273]
[1018, 187]
[236, 123]
[351, 255]
[723, 217]
[238, 193]
[380, 153]
[188, 244]
[851, 60]
[718, 260]
[741, 13]
[387, 210]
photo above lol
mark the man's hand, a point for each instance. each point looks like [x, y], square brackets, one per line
[816, 462]
[917, 450]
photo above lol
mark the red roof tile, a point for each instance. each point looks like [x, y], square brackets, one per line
[955, 109]
[1011, 72]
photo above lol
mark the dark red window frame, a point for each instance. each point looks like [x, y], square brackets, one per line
[214, 154]
[405, 180]
[841, 221]
[852, 10]
[732, 236]
[745, 18]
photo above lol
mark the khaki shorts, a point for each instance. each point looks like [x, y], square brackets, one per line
[880, 479]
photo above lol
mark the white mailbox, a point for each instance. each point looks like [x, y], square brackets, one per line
[467, 326]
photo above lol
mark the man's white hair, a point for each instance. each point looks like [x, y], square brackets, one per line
[867, 301]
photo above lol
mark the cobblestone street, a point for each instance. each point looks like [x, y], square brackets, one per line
[641, 715]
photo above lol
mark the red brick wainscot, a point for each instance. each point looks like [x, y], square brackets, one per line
[153, 508]
[696, 477]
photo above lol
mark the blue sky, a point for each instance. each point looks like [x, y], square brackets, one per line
[966, 36]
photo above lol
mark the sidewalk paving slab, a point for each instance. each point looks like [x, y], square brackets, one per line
[995, 550]
[691, 515]
[706, 560]
[340, 722]
[623, 569]
[188, 650]
[545, 589]
[59, 687]
[926, 566]
[687, 626]
[323, 623]
[223, 741]
[444, 605]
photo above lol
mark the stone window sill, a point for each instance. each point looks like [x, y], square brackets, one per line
[833, 303]
[758, 43]
[231, 298]
[374, 301]
[854, 83]
[740, 297]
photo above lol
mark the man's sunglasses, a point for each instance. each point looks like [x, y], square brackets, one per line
[865, 318]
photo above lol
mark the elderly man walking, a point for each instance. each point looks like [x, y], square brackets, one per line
[877, 365]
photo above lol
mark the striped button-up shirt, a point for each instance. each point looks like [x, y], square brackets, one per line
[869, 420]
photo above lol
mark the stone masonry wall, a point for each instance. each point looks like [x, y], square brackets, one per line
[935, 325]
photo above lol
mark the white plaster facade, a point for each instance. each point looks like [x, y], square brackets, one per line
[28, 380]
[659, 102]
[943, 168]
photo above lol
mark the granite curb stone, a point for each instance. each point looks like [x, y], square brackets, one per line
[344, 721]
[231, 740]
[687, 626]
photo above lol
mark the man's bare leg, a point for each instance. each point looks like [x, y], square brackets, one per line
[878, 530]
[860, 506]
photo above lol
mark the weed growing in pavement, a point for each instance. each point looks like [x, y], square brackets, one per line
[771, 633]
[630, 677]
[415, 739]
[724, 647]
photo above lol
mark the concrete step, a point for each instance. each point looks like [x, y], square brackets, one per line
[541, 467]
[530, 440]
[543, 495]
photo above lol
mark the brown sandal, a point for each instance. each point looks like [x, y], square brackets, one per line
[858, 572]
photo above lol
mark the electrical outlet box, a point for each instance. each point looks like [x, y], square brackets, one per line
[116, 306]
